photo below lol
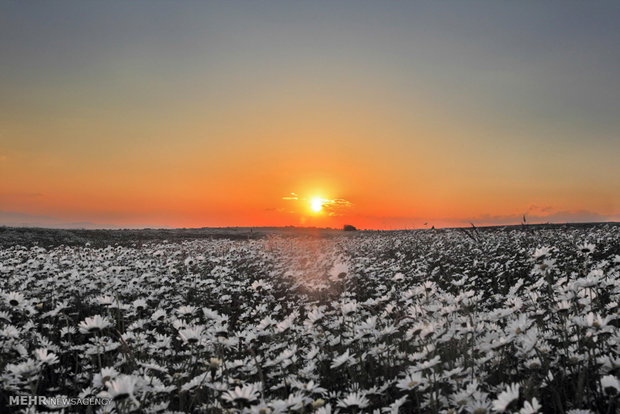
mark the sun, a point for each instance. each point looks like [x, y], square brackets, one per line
[316, 204]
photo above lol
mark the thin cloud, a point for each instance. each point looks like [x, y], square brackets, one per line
[535, 210]
[333, 207]
[538, 216]
[336, 207]
[19, 219]
[293, 196]
[21, 194]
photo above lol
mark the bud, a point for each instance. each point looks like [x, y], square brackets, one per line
[318, 403]
[215, 363]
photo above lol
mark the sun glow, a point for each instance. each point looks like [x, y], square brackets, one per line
[316, 204]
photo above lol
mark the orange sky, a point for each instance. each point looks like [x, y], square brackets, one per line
[212, 115]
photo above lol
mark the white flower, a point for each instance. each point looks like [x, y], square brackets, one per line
[411, 381]
[586, 248]
[341, 359]
[107, 374]
[159, 314]
[121, 388]
[5, 315]
[9, 332]
[187, 310]
[25, 369]
[284, 325]
[354, 399]
[596, 321]
[295, 401]
[519, 325]
[258, 285]
[348, 307]
[15, 299]
[398, 277]
[248, 393]
[315, 315]
[139, 304]
[394, 408]
[592, 279]
[479, 404]
[530, 407]
[105, 300]
[542, 252]
[46, 357]
[325, 409]
[94, 324]
[610, 384]
[428, 364]
[339, 271]
[191, 335]
[504, 398]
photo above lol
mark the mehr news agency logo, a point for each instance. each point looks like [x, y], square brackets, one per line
[55, 402]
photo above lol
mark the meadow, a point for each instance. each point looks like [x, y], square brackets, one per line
[457, 321]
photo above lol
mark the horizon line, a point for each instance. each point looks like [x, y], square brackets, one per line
[168, 228]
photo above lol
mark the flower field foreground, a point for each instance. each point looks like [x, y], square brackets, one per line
[518, 321]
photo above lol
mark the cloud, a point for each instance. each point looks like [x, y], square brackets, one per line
[20, 195]
[293, 196]
[537, 215]
[548, 216]
[17, 219]
[534, 209]
[336, 207]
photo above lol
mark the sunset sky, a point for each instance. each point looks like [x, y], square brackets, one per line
[378, 114]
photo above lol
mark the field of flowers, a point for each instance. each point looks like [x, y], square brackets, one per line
[454, 322]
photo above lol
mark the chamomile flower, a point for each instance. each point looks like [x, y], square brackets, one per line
[122, 387]
[586, 248]
[411, 381]
[191, 335]
[610, 384]
[94, 324]
[341, 359]
[503, 400]
[15, 299]
[26, 369]
[46, 357]
[530, 407]
[245, 394]
[354, 399]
